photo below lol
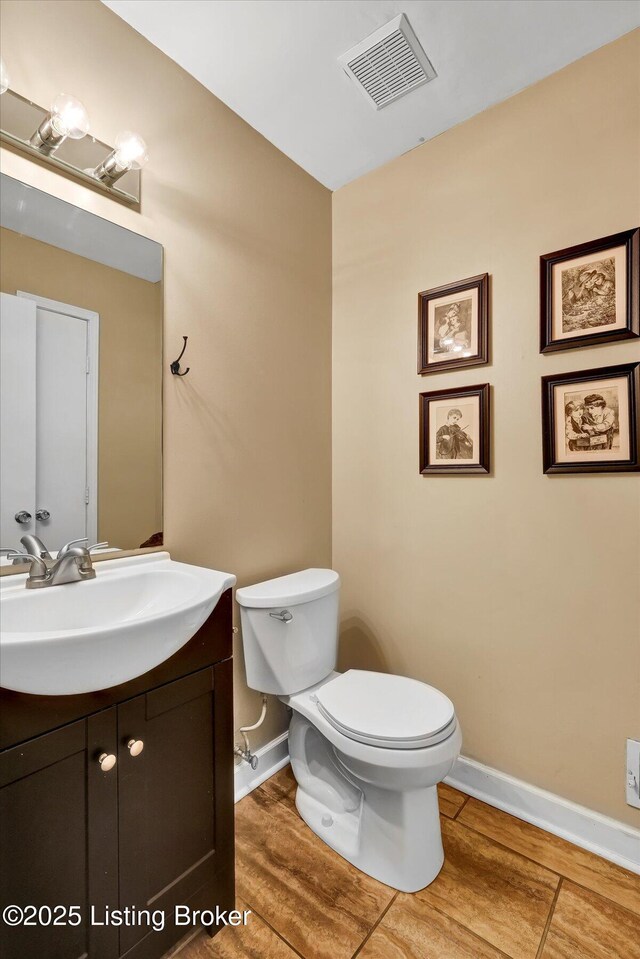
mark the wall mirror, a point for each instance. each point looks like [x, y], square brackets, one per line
[81, 376]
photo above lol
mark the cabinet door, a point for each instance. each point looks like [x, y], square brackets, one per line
[58, 839]
[167, 800]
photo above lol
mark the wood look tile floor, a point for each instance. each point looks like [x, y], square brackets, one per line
[507, 890]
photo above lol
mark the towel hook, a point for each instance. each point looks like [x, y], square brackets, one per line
[175, 366]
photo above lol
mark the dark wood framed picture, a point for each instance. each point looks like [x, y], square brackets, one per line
[453, 325]
[454, 431]
[590, 421]
[590, 293]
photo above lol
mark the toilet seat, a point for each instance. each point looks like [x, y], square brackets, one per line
[392, 712]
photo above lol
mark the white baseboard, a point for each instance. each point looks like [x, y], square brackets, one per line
[271, 757]
[583, 827]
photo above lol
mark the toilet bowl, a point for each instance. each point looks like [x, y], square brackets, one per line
[367, 749]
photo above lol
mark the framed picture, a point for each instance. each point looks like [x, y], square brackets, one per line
[454, 431]
[453, 325]
[589, 294]
[590, 420]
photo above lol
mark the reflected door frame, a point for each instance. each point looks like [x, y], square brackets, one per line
[92, 320]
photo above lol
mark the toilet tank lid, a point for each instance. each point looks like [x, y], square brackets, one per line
[290, 590]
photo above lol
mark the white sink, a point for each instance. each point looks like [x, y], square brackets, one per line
[81, 637]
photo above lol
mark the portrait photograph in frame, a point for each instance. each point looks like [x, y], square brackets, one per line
[590, 421]
[590, 293]
[455, 431]
[453, 325]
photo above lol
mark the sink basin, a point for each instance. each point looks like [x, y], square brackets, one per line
[81, 637]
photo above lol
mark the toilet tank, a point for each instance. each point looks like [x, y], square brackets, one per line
[290, 630]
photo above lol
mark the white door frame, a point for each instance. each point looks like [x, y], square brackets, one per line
[92, 320]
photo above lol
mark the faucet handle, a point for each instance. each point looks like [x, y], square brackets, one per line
[38, 569]
[72, 542]
[15, 555]
[97, 546]
[77, 542]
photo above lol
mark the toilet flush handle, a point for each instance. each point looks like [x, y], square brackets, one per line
[284, 616]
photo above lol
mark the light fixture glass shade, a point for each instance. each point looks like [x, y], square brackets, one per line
[130, 151]
[69, 117]
[4, 77]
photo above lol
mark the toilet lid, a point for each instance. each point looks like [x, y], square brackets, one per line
[390, 711]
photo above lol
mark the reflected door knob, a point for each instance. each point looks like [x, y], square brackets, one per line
[23, 517]
[107, 761]
[135, 746]
[43, 515]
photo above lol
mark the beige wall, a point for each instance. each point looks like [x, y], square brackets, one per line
[517, 594]
[130, 381]
[247, 239]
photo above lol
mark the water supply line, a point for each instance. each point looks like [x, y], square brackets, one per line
[246, 753]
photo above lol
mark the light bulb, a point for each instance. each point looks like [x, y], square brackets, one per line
[131, 151]
[69, 117]
[5, 79]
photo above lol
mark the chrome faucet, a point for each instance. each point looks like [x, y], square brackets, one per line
[72, 566]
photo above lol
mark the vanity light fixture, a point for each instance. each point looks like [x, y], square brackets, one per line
[67, 118]
[60, 140]
[4, 77]
[130, 153]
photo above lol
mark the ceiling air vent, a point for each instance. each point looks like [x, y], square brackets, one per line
[389, 63]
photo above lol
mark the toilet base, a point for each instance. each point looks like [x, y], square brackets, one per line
[340, 830]
[392, 835]
[376, 847]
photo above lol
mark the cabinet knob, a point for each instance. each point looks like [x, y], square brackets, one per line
[107, 761]
[23, 517]
[135, 746]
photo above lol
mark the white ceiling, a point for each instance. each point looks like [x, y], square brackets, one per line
[275, 63]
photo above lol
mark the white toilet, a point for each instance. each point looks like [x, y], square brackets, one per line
[367, 749]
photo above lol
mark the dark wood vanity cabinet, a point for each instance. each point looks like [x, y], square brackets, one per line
[45, 830]
[169, 848]
[152, 832]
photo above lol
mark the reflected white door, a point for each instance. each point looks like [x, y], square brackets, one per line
[49, 424]
[17, 419]
[61, 427]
